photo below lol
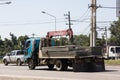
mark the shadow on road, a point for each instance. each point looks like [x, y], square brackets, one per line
[69, 70]
[17, 65]
[111, 70]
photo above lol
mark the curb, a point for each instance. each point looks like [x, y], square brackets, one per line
[11, 77]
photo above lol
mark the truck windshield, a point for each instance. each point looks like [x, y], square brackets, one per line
[117, 49]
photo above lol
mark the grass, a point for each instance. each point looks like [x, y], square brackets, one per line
[112, 62]
[0, 61]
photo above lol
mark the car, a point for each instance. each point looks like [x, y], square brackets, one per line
[15, 56]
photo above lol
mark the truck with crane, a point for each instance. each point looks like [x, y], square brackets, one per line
[62, 54]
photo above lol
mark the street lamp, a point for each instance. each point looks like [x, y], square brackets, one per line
[5, 3]
[51, 16]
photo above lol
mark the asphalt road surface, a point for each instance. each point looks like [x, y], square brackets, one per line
[13, 72]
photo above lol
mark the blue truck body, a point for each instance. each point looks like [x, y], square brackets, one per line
[31, 45]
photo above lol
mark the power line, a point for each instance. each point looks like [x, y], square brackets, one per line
[86, 13]
[29, 23]
[86, 29]
[4, 0]
[10, 24]
[109, 7]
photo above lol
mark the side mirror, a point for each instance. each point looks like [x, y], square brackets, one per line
[8, 54]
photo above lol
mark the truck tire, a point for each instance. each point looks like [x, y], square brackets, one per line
[50, 66]
[79, 67]
[100, 65]
[61, 65]
[19, 63]
[76, 67]
[5, 62]
[31, 64]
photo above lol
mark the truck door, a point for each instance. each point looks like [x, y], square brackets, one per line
[117, 52]
[28, 47]
[9, 57]
[13, 56]
[112, 52]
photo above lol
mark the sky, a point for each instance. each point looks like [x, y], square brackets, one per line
[24, 17]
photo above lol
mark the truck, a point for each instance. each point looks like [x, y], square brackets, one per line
[111, 52]
[62, 54]
[15, 56]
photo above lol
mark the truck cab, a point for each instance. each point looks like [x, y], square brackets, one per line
[31, 45]
[112, 52]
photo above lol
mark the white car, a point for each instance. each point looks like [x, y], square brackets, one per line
[15, 56]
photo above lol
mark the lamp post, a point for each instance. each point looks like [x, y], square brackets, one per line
[51, 16]
[5, 3]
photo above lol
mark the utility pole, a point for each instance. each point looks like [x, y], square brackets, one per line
[69, 20]
[69, 23]
[106, 35]
[93, 24]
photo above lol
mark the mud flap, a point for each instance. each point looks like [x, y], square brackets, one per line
[100, 65]
[89, 66]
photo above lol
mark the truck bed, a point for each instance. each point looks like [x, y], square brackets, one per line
[70, 51]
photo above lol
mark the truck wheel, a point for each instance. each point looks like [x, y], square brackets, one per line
[50, 66]
[31, 64]
[19, 62]
[100, 65]
[5, 62]
[76, 67]
[61, 65]
[79, 67]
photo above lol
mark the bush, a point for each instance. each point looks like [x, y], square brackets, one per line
[112, 62]
[0, 61]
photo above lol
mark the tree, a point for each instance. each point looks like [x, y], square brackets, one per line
[1, 46]
[10, 44]
[82, 40]
[100, 42]
[21, 41]
[14, 41]
[115, 33]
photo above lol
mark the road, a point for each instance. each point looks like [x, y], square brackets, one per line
[13, 72]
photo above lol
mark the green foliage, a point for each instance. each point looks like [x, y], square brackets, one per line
[82, 40]
[112, 62]
[21, 41]
[1, 61]
[7, 45]
[100, 42]
[115, 33]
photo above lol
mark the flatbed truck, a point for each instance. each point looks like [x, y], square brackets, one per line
[43, 51]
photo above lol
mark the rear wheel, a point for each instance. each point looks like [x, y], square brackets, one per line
[5, 62]
[61, 65]
[50, 66]
[19, 63]
[31, 64]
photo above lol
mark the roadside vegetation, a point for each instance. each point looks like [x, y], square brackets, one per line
[0, 61]
[7, 45]
[112, 62]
